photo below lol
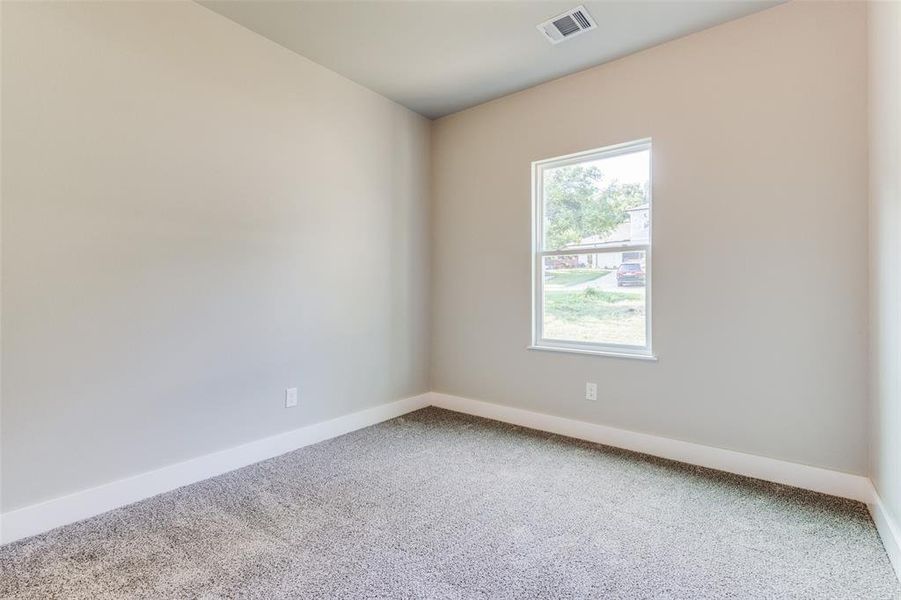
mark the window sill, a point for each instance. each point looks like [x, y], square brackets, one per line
[610, 353]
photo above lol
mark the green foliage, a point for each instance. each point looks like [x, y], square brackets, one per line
[577, 204]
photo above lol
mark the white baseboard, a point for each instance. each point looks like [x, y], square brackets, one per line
[890, 532]
[38, 518]
[817, 479]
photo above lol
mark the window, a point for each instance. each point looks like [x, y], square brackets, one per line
[592, 251]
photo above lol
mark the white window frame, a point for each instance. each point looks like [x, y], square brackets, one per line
[539, 342]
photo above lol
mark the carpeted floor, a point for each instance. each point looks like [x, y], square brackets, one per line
[441, 505]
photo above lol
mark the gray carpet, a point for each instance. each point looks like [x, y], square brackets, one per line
[441, 505]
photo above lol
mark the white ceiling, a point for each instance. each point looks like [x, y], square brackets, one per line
[439, 57]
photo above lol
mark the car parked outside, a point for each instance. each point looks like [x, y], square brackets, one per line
[631, 273]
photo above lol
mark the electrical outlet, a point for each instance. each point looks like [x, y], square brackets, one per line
[290, 397]
[591, 392]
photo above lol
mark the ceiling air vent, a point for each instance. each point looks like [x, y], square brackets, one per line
[568, 25]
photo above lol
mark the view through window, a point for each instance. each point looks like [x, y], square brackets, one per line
[592, 250]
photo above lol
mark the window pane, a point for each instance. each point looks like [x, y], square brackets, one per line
[598, 298]
[597, 202]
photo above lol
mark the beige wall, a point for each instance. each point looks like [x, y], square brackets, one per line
[760, 262]
[194, 219]
[885, 251]
[191, 226]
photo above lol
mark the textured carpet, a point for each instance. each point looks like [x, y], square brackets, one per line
[441, 505]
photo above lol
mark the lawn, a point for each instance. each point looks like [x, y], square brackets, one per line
[594, 315]
[570, 277]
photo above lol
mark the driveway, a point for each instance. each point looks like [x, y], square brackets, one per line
[608, 284]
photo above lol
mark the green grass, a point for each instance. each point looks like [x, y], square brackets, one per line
[592, 304]
[569, 277]
[594, 315]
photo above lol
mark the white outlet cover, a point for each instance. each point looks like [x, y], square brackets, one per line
[591, 391]
[290, 397]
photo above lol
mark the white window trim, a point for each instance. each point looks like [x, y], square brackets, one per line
[599, 349]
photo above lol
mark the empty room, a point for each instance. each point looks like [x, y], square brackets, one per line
[450, 299]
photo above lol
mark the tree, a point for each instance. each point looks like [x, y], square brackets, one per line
[578, 204]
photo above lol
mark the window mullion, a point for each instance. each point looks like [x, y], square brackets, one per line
[571, 252]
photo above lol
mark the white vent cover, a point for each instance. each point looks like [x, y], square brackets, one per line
[567, 25]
